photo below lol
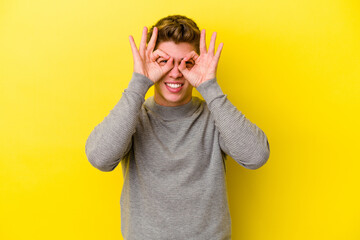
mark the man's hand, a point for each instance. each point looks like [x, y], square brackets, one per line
[205, 65]
[145, 59]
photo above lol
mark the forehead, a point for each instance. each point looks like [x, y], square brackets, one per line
[176, 50]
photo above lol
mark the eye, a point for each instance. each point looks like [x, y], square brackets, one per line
[189, 64]
[162, 62]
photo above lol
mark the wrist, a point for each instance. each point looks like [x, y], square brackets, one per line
[201, 82]
[139, 84]
[210, 90]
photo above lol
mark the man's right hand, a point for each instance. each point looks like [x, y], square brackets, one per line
[145, 58]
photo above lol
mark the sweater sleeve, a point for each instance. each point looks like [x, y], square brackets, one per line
[111, 139]
[242, 140]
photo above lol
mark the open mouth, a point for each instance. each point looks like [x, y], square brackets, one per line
[174, 85]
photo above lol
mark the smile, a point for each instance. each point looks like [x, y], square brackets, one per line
[174, 85]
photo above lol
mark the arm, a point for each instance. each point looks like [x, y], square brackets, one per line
[239, 138]
[110, 140]
[246, 143]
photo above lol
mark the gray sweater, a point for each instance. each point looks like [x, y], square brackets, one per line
[173, 161]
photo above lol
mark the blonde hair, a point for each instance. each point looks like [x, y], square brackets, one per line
[176, 28]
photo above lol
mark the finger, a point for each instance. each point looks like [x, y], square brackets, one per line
[218, 52]
[212, 44]
[202, 42]
[143, 43]
[152, 41]
[158, 53]
[191, 55]
[169, 65]
[134, 50]
[183, 69]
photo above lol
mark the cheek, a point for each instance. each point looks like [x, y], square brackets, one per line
[157, 85]
[189, 87]
[160, 86]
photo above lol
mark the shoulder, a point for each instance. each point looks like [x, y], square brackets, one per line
[201, 103]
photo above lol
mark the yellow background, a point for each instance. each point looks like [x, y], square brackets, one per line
[292, 67]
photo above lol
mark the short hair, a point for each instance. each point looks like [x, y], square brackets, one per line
[176, 28]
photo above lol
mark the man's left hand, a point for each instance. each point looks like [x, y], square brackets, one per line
[205, 65]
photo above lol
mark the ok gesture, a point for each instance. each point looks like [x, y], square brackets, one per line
[145, 58]
[205, 65]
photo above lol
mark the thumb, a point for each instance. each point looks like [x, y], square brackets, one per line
[183, 69]
[190, 75]
[169, 65]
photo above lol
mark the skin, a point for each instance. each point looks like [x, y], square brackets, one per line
[163, 95]
[175, 63]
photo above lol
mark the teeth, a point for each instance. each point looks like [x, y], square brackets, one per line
[173, 85]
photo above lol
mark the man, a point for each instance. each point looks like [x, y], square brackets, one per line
[172, 146]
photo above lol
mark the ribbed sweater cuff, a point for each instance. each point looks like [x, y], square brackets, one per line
[139, 84]
[210, 90]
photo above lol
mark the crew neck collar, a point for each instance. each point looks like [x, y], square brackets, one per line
[173, 113]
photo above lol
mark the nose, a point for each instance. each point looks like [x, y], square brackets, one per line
[175, 72]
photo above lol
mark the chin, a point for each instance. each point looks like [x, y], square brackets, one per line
[164, 97]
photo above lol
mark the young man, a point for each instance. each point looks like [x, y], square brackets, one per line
[172, 146]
